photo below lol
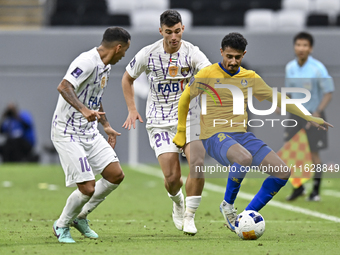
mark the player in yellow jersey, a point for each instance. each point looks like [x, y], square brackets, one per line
[224, 88]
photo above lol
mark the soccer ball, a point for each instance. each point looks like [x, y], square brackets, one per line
[249, 225]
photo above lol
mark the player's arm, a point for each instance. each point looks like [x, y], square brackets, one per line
[66, 90]
[112, 134]
[326, 99]
[321, 107]
[189, 92]
[326, 84]
[287, 84]
[129, 95]
[292, 108]
[183, 108]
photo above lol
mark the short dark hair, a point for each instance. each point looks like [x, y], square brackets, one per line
[305, 36]
[113, 34]
[170, 18]
[235, 41]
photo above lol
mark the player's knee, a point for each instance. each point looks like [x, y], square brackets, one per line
[196, 161]
[87, 190]
[117, 178]
[120, 178]
[284, 174]
[173, 179]
[245, 159]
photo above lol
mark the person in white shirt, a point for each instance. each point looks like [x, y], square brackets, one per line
[82, 150]
[169, 65]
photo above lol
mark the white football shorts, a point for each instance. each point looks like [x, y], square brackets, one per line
[82, 161]
[160, 138]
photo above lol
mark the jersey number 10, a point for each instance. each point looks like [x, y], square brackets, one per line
[84, 164]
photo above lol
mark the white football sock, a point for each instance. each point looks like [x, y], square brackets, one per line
[102, 189]
[73, 206]
[192, 203]
[178, 197]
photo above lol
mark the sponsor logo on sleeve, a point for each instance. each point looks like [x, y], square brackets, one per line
[191, 81]
[133, 62]
[77, 72]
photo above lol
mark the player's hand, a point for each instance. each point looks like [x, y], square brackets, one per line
[179, 139]
[92, 115]
[112, 136]
[323, 126]
[315, 114]
[131, 119]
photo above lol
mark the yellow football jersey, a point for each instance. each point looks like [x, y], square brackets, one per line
[219, 103]
[222, 93]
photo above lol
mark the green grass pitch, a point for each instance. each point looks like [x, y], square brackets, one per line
[136, 218]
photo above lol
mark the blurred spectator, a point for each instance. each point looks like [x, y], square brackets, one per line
[18, 129]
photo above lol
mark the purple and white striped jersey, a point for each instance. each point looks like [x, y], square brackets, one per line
[89, 77]
[167, 76]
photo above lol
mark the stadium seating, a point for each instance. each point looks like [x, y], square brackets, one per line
[94, 13]
[259, 20]
[337, 22]
[279, 14]
[122, 7]
[149, 19]
[174, 4]
[265, 4]
[317, 20]
[160, 5]
[65, 14]
[187, 17]
[118, 20]
[146, 20]
[222, 18]
[303, 5]
[290, 20]
[330, 7]
[240, 5]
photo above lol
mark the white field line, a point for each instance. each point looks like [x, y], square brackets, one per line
[331, 193]
[157, 172]
[163, 221]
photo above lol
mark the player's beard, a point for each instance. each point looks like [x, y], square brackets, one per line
[232, 68]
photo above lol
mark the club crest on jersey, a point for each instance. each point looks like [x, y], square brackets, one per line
[77, 72]
[244, 82]
[103, 82]
[185, 70]
[173, 70]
